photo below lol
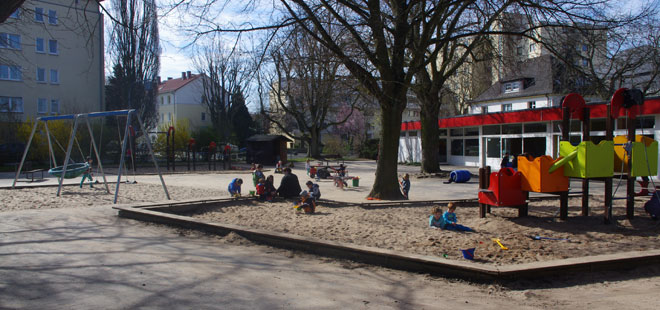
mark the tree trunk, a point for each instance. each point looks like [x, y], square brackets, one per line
[314, 143]
[430, 142]
[386, 184]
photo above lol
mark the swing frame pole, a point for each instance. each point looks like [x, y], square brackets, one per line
[122, 156]
[27, 147]
[68, 153]
[50, 144]
[153, 157]
[96, 152]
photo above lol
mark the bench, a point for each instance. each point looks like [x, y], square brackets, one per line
[32, 172]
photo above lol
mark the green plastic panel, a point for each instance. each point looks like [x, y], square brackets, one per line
[640, 154]
[592, 161]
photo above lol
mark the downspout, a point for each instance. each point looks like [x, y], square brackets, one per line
[101, 63]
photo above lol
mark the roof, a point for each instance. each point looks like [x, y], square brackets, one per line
[536, 72]
[598, 110]
[175, 84]
[265, 138]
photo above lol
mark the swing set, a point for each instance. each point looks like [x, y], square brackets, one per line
[72, 170]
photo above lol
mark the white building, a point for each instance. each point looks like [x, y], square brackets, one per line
[181, 100]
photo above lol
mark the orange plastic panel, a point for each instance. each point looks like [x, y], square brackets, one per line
[536, 178]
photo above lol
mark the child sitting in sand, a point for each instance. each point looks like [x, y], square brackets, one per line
[234, 187]
[262, 193]
[449, 219]
[435, 220]
[306, 204]
[314, 190]
[278, 167]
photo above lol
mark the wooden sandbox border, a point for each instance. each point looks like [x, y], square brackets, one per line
[163, 213]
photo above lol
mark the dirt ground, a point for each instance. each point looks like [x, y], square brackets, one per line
[402, 229]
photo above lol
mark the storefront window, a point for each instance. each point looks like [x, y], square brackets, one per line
[598, 124]
[492, 130]
[457, 147]
[511, 129]
[472, 131]
[471, 147]
[493, 148]
[456, 132]
[535, 127]
[442, 132]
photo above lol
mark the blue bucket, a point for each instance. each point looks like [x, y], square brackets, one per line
[460, 176]
[468, 253]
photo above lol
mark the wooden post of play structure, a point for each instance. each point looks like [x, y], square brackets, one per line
[630, 198]
[565, 136]
[609, 133]
[586, 136]
[484, 179]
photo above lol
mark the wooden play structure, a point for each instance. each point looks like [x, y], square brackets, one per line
[585, 161]
[72, 170]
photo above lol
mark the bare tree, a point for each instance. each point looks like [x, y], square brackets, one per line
[306, 90]
[8, 7]
[224, 74]
[135, 50]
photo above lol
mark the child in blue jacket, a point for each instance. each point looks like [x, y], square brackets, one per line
[234, 187]
[449, 219]
[435, 220]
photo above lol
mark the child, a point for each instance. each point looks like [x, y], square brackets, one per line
[435, 220]
[306, 204]
[314, 190]
[405, 185]
[88, 173]
[307, 166]
[258, 174]
[312, 173]
[270, 187]
[234, 187]
[278, 167]
[449, 219]
[261, 191]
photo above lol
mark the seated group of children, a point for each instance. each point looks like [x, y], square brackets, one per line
[446, 220]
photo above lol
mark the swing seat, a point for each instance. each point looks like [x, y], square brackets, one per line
[72, 171]
[644, 150]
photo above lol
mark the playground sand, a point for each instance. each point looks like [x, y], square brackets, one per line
[398, 228]
[406, 229]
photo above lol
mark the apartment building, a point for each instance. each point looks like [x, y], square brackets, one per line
[180, 99]
[51, 59]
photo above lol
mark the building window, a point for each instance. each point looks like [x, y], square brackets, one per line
[511, 87]
[531, 105]
[54, 76]
[42, 106]
[162, 117]
[11, 104]
[39, 45]
[54, 106]
[39, 15]
[519, 50]
[16, 14]
[471, 147]
[12, 73]
[507, 107]
[203, 116]
[41, 75]
[52, 47]
[169, 116]
[457, 147]
[52, 17]
[162, 100]
[8, 40]
[169, 99]
[585, 62]
[532, 47]
[585, 48]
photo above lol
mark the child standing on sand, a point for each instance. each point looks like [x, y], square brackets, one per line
[449, 219]
[405, 185]
[435, 220]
